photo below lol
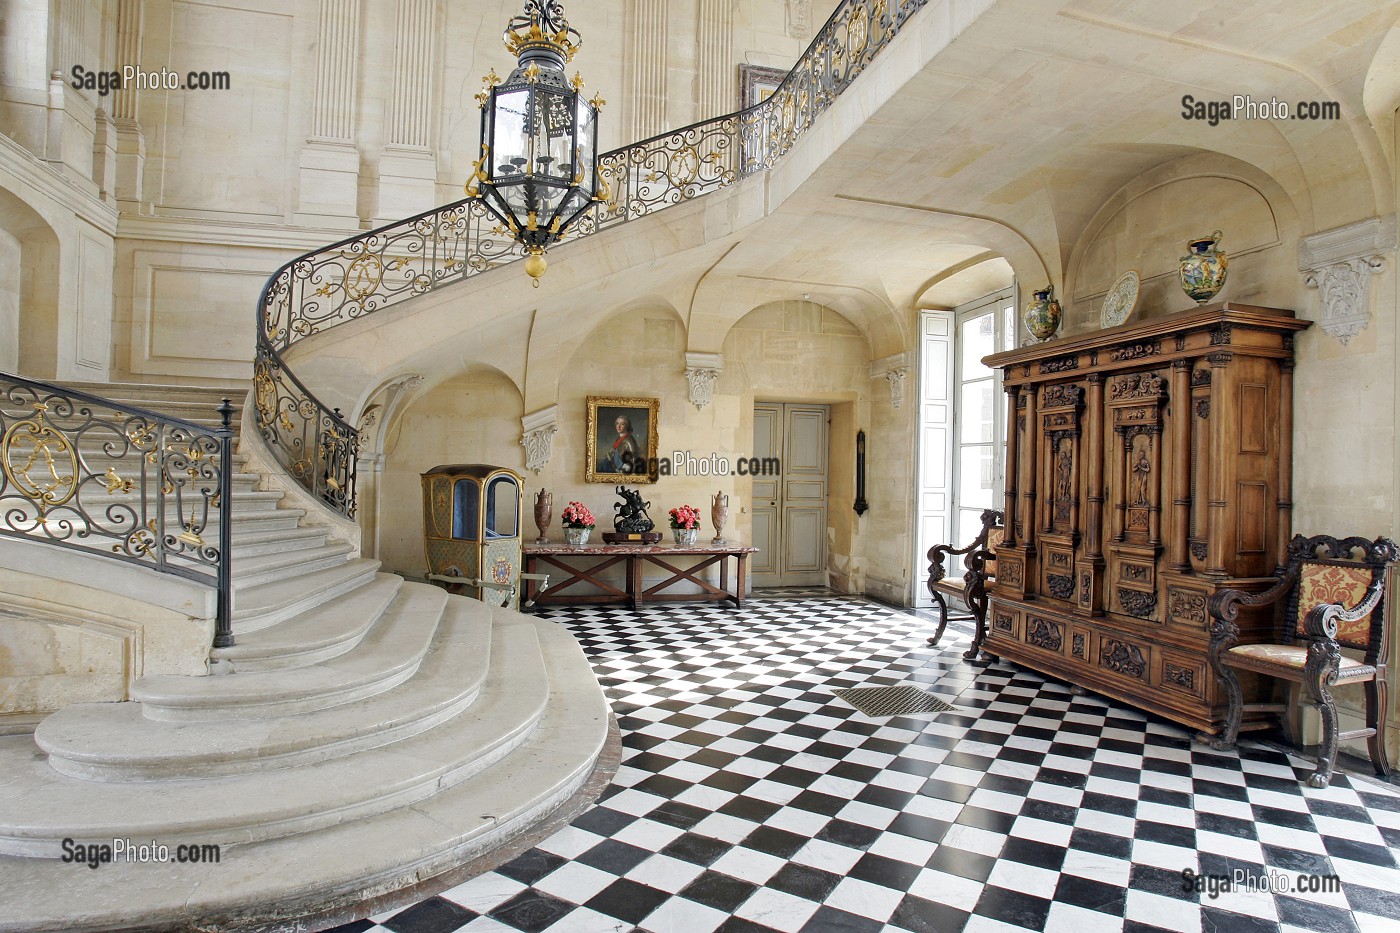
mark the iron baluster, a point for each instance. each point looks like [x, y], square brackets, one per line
[223, 617]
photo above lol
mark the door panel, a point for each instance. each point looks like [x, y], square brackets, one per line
[790, 510]
[767, 537]
[803, 530]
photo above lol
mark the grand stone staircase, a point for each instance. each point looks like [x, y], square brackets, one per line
[363, 735]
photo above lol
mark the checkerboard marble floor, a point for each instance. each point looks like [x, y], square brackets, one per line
[751, 799]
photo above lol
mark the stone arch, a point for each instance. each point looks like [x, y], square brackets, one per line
[980, 275]
[471, 416]
[1144, 225]
[29, 290]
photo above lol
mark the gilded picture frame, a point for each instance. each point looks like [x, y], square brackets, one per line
[757, 83]
[621, 443]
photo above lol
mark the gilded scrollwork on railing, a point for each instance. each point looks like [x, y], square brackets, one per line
[92, 474]
[314, 445]
[377, 270]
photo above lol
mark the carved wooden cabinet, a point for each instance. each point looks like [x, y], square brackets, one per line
[1148, 466]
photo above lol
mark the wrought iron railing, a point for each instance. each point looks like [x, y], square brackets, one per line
[376, 270]
[88, 473]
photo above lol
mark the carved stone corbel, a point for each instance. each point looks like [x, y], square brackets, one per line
[537, 437]
[895, 369]
[701, 372]
[1339, 263]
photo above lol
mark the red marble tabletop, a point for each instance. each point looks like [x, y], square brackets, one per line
[611, 550]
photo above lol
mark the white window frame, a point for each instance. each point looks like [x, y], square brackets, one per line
[996, 303]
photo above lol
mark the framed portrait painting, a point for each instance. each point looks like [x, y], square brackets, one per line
[620, 446]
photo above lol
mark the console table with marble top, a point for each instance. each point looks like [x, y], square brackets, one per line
[634, 557]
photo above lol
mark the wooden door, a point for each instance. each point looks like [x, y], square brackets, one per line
[790, 509]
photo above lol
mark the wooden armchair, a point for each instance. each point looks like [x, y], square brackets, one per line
[980, 565]
[1335, 593]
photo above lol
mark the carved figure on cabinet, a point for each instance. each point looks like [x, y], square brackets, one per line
[1142, 470]
[1063, 479]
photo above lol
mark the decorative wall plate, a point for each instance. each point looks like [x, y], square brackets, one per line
[1121, 300]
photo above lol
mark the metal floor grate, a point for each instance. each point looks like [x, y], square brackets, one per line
[893, 701]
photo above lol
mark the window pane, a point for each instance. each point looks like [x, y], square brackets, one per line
[976, 476]
[975, 409]
[977, 337]
[1008, 332]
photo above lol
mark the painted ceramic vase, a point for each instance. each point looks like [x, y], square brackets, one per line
[1043, 314]
[544, 514]
[576, 537]
[719, 514]
[685, 537]
[1203, 268]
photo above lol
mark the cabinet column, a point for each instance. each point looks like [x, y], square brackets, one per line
[1013, 433]
[1093, 495]
[1028, 485]
[1177, 556]
[1154, 491]
[1215, 524]
[1285, 462]
[1120, 508]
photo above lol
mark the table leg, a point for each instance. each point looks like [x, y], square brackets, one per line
[739, 579]
[634, 581]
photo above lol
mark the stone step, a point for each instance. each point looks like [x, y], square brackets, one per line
[253, 523]
[270, 568]
[279, 541]
[387, 655]
[39, 808]
[316, 635]
[199, 405]
[114, 742]
[258, 607]
[267, 885]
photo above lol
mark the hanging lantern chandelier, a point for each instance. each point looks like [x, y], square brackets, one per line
[538, 171]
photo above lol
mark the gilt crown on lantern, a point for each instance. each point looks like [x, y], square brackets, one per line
[542, 28]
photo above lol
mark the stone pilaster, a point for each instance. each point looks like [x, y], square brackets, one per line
[330, 162]
[126, 110]
[714, 84]
[408, 169]
[650, 33]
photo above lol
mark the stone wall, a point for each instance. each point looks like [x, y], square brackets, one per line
[794, 351]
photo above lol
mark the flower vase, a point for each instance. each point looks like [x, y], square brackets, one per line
[1204, 268]
[544, 514]
[685, 537]
[1043, 314]
[719, 514]
[576, 537]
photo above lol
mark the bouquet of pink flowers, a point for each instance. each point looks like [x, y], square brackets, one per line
[686, 516]
[576, 515]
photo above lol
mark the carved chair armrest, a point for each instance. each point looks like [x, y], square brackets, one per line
[976, 562]
[938, 554]
[1224, 608]
[1322, 621]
